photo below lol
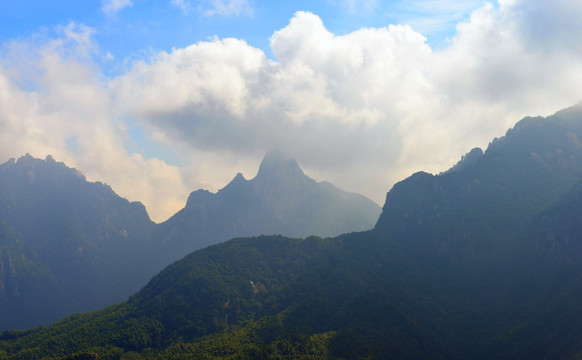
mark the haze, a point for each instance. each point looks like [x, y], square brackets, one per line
[159, 98]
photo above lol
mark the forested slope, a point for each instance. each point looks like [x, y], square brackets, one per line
[480, 262]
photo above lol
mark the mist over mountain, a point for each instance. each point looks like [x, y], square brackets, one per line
[478, 263]
[68, 245]
[280, 199]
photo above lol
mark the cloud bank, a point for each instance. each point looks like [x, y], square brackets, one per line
[53, 101]
[362, 110]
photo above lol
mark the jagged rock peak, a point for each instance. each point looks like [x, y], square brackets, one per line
[238, 179]
[235, 184]
[239, 176]
[26, 159]
[47, 166]
[276, 164]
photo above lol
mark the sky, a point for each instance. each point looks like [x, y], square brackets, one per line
[161, 98]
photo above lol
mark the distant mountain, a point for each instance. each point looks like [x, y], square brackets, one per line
[66, 245]
[482, 262]
[281, 199]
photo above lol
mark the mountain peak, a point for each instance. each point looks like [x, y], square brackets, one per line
[31, 168]
[276, 164]
[238, 178]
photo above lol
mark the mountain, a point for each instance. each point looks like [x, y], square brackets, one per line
[280, 199]
[66, 245]
[550, 254]
[473, 211]
[480, 262]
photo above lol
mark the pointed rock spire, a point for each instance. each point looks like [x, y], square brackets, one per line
[276, 165]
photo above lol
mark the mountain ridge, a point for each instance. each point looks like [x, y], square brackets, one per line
[78, 233]
[68, 245]
[454, 269]
[280, 199]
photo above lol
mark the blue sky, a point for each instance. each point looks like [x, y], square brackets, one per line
[141, 26]
[160, 98]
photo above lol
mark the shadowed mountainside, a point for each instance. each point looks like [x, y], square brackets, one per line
[482, 262]
[68, 245]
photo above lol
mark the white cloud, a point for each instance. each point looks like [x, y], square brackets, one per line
[362, 110]
[494, 73]
[334, 102]
[226, 94]
[112, 7]
[379, 102]
[66, 111]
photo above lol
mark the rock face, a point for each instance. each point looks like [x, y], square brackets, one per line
[281, 199]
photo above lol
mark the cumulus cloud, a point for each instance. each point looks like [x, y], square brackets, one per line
[54, 102]
[334, 102]
[362, 110]
[379, 102]
[326, 95]
[112, 7]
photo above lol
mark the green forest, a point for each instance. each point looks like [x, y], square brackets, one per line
[481, 262]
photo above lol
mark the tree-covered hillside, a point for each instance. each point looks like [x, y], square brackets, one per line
[68, 245]
[265, 296]
[480, 262]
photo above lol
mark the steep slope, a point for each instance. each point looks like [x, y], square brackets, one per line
[281, 199]
[471, 213]
[549, 254]
[66, 245]
[261, 293]
[455, 269]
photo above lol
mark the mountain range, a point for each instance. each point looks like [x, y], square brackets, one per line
[68, 245]
[483, 261]
[280, 199]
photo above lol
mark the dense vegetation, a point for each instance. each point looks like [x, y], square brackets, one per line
[481, 262]
[262, 296]
[68, 245]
